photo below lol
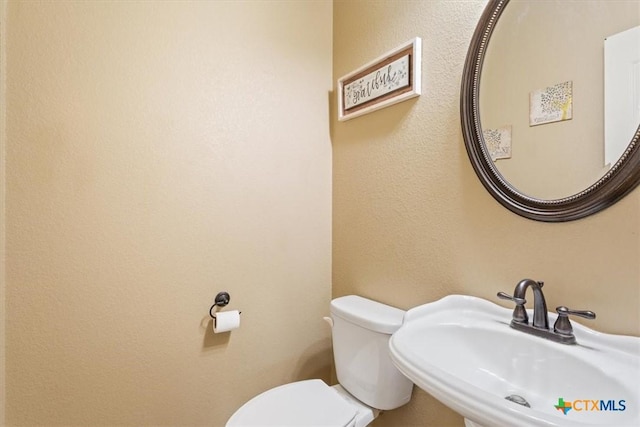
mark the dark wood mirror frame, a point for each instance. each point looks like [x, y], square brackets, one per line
[620, 180]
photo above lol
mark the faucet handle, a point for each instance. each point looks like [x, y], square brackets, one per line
[563, 325]
[519, 313]
[564, 311]
[518, 301]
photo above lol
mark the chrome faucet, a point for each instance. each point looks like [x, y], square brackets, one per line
[562, 331]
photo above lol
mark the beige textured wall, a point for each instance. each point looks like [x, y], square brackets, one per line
[157, 153]
[411, 221]
[3, 104]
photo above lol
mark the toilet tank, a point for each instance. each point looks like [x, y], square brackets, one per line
[361, 332]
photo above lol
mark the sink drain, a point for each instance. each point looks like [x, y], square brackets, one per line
[518, 399]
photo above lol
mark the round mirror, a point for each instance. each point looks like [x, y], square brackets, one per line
[550, 105]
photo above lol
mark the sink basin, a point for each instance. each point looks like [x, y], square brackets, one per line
[463, 352]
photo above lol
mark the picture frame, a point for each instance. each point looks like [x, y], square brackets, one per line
[391, 78]
[551, 104]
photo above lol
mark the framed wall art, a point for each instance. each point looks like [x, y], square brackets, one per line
[551, 104]
[387, 80]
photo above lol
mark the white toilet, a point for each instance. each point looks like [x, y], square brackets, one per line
[369, 382]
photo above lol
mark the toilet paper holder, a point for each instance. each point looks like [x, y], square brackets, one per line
[221, 300]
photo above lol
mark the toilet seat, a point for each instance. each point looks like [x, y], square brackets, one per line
[298, 404]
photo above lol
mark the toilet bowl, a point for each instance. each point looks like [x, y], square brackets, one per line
[303, 403]
[368, 380]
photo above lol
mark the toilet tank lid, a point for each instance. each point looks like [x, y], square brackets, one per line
[368, 314]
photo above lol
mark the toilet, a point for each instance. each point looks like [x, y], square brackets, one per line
[368, 380]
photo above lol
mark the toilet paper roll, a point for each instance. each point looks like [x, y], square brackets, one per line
[225, 321]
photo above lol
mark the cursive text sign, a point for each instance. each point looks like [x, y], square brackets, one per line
[392, 78]
[377, 83]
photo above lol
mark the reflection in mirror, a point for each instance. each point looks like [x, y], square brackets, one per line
[542, 93]
[621, 90]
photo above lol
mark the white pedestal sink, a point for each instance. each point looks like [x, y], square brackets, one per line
[462, 351]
